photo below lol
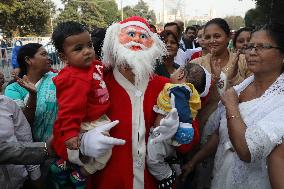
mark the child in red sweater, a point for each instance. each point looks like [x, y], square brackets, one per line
[83, 100]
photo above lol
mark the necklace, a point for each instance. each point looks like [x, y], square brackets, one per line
[228, 64]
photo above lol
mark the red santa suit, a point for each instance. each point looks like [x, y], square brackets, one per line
[133, 107]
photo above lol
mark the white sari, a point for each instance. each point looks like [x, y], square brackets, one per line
[264, 118]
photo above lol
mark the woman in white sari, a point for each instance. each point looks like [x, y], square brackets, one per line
[249, 123]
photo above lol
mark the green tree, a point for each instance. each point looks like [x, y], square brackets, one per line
[34, 18]
[85, 12]
[254, 17]
[194, 22]
[140, 9]
[128, 11]
[235, 22]
[91, 13]
[266, 11]
[273, 10]
[8, 10]
[109, 11]
[26, 17]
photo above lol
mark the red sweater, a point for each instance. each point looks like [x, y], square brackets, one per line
[82, 97]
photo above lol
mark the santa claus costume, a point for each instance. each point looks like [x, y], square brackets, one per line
[131, 103]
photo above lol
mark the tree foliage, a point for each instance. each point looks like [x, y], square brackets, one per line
[140, 9]
[128, 11]
[91, 13]
[36, 17]
[194, 22]
[266, 11]
[85, 12]
[235, 22]
[26, 17]
[109, 11]
[253, 18]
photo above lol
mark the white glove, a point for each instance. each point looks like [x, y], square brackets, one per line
[168, 125]
[95, 144]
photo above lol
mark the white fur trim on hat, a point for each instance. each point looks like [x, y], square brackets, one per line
[136, 23]
[208, 83]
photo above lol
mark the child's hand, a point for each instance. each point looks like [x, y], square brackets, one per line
[72, 143]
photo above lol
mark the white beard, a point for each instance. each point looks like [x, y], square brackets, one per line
[142, 62]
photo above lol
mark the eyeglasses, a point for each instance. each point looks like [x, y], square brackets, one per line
[259, 47]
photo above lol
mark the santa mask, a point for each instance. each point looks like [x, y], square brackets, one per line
[131, 43]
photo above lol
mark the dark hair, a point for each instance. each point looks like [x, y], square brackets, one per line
[173, 24]
[191, 28]
[195, 75]
[276, 32]
[64, 30]
[197, 27]
[166, 33]
[26, 51]
[98, 36]
[245, 29]
[153, 27]
[221, 23]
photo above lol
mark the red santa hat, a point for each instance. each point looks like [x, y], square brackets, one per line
[136, 21]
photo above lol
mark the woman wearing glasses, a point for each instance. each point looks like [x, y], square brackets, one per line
[249, 121]
[227, 69]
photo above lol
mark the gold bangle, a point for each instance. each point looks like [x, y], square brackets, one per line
[233, 117]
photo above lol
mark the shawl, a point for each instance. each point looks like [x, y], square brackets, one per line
[46, 108]
[265, 119]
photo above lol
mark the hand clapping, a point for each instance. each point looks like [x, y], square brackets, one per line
[230, 98]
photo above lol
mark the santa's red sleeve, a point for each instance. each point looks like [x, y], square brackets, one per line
[71, 93]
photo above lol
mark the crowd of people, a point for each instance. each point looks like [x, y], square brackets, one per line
[135, 109]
